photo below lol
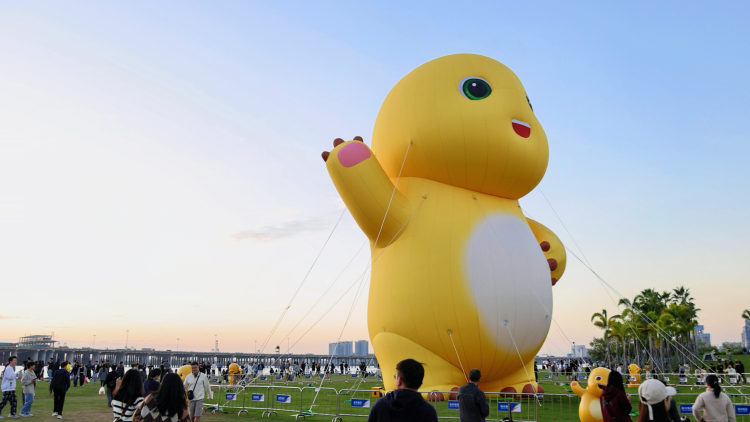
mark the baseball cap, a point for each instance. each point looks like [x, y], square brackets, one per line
[652, 392]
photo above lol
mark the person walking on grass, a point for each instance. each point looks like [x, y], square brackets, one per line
[716, 405]
[28, 383]
[9, 387]
[198, 389]
[111, 384]
[472, 403]
[59, 386]
[50, 369]
[404, 404]
[168, 404]
[128, 395]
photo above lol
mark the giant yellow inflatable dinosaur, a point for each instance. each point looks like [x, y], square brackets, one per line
[460, 278]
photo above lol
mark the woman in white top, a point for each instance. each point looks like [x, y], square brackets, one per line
[717, 407]
[127, 396]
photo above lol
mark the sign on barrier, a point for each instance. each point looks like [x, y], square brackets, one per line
[231, 396]
[686, 408]
[258, 397]
[360, 402]
[700, 379]
[582, 377]
[547, 376]
[733, 380]
[307, 376]
[683, 379]
[354, 375]
[214, 380]
[453, 404]
[278, 377]
[263, 378]
[666, 378]
[632, 379]
[742, 409]
[283, 398]
[509, 407]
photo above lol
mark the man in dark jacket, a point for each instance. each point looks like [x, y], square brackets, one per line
[404, 403]
[472, 403]
[59, 386]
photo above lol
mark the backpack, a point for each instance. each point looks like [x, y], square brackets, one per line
[112, 383]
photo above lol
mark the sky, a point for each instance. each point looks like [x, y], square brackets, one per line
[161, 181]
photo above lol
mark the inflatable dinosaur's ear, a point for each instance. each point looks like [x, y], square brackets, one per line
[471, 124]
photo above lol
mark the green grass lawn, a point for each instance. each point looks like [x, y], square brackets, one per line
[558, 404]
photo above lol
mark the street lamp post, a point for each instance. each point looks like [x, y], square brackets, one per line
[178, 344]
[287, 345]
[94, 345]
[127, 335]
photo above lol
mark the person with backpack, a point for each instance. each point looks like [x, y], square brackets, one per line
[28, 382]
[59, 386]
[168, 404]
[128, 395]
[9, 387]
[198, 388]
[615, 403]
[111, 385]
[716, 406]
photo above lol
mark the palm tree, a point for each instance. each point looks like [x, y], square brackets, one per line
[746, 314]
[681, 296]
[603, 323]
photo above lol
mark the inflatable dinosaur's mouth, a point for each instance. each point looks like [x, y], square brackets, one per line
[523, 129]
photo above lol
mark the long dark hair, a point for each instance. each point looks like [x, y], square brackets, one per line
[170, 398]
[615, 380]
[660, 412]
[713, 382]
[131, 387]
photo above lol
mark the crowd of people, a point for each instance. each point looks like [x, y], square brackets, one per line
[157, 394]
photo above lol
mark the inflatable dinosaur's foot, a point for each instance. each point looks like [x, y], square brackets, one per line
[440, 375]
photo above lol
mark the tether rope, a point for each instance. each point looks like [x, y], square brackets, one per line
[450, 334]
[289, 305]
[523, 365]
[664, 334]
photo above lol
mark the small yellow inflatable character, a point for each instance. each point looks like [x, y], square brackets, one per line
[590, 409]
[635, 376]
[460, 276]
[234, 369]
[184, 371]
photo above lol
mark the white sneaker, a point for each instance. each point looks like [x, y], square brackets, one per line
[59, 416]
[54, 414]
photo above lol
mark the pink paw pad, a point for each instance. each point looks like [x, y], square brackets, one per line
[354, 153]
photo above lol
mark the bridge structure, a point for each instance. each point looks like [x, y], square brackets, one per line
[175, 358]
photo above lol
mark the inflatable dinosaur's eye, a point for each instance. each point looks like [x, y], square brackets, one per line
[529, 101]
[474, 88]
[598, 378]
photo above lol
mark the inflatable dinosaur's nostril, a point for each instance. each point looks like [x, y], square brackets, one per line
[545, 246]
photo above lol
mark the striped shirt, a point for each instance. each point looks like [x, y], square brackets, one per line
[118, 408]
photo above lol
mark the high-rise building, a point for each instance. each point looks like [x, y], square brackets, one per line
[361, 348]
[746, 334]
[702, 337]
[342, 348]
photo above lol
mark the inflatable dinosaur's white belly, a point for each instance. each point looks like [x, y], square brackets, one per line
[510, 281]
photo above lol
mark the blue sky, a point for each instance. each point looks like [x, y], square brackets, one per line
[142, 137]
